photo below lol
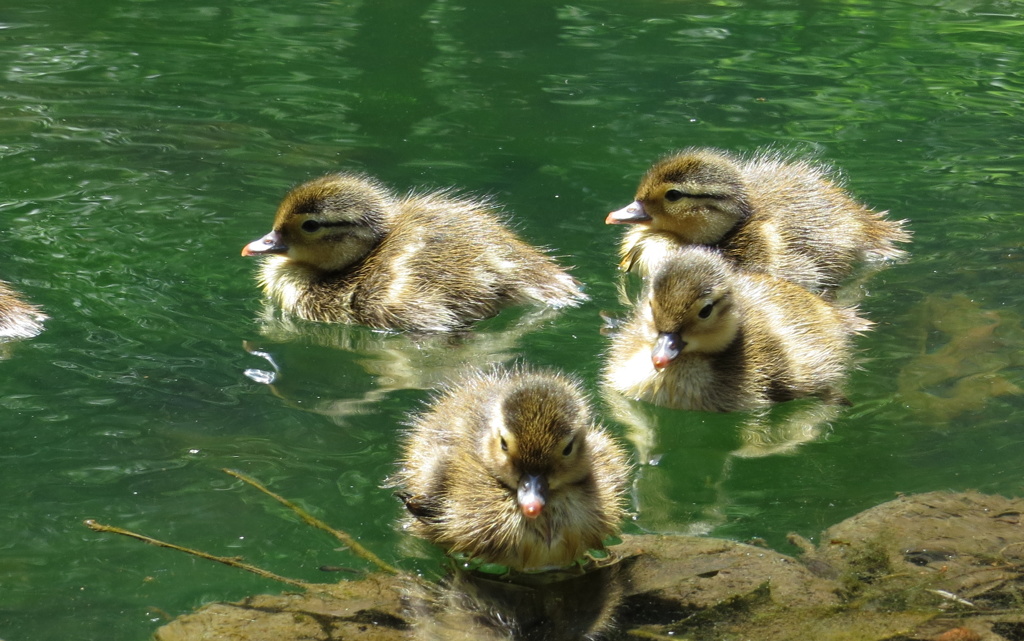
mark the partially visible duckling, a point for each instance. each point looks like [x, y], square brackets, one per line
[781, 217]
[707, 336]
[509, 467]
[345, 249]
[18, 319]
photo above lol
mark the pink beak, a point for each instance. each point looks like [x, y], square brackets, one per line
[634, 212]
[269, 244]
[532, 488]
[666, 349]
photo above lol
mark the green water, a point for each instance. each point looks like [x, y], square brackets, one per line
[144, 143]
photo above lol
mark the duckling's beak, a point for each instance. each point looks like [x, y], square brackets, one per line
[666, 348]
[634, 212]
[269, 244]
[531, 495]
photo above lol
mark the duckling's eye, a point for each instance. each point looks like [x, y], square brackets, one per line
[504, 444]
[673, 195]
[568, 449]
[706, 310]
[310, 225]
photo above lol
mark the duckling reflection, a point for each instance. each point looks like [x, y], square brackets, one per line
[18, 318]
[345, 249]
[466, 606]
[785, 218]
[710, 337]
[697, 461]
[509, 467]
[318, 367]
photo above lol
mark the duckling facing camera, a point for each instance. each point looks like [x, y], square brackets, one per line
[345, 249]
[510, 467]
[18, 319]
[769, 214]
[708, 336]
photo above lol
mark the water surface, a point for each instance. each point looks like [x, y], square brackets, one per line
[144, 143]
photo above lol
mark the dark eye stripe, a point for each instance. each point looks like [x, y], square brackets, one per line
[340, 223]
[317, 224]
[673, 195]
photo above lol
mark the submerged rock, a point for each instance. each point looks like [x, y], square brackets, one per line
[932, 567]
[956, 554]
[369, 609]
[973, 361]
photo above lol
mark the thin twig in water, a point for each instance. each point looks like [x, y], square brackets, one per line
[648, 634]
[342, 536]
[233, 562]
[1002, 552]
[952, 597]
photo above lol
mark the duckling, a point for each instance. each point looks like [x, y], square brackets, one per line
[18, 319]
[708, 336]
[766, 213]
[509, 467]
[345, 249]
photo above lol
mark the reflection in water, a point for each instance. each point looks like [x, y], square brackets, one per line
[393, 361]
[782, 430]
[779, 430]
[964, 351]
[468, 606]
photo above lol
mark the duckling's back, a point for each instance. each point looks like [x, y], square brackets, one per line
[800, 344]
[446, 260]
[805, 227]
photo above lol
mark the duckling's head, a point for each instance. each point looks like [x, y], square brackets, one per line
[328, 224]
[697, 195]
[535, 442]
[692, 304]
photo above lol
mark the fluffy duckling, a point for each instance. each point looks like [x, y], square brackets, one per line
[18, 319]
[708, 336]
[344, 249]
[510, 467]
[781, 217]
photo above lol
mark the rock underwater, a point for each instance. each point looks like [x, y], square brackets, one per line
[931, 567]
